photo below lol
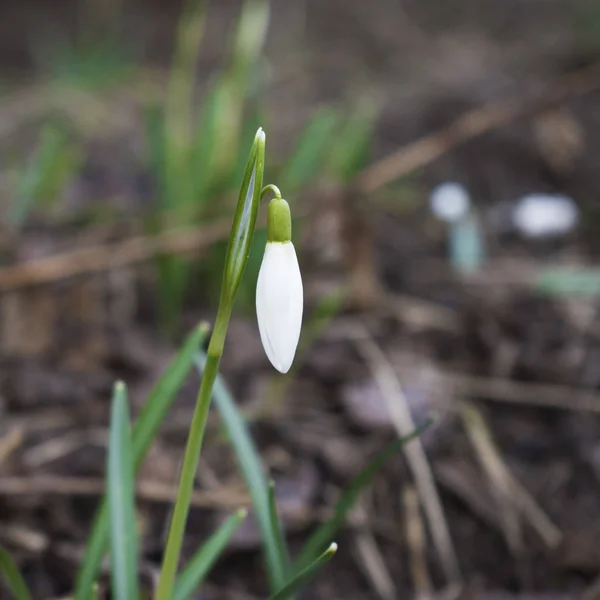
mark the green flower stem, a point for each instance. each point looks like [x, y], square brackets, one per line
[270, 188]
[192, 455]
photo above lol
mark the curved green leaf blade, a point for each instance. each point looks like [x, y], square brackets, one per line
[206, 556]
[12, 577]
[353, 141]
[304, 576]
[144, 432]
[50, 156]
[327, 530]
[121, 500]
[277, 529]
[251, 467]
[306, 161]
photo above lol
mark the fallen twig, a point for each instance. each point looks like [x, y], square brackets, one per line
[92, 486]
[395, 399]
[370, 557]
[417, 543]
[430, 147]
[532, 394]
[104, 257]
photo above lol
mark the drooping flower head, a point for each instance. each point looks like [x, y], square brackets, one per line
[279, 293]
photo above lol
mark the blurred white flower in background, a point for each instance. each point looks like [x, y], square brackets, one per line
[545, 215]
[449, 201]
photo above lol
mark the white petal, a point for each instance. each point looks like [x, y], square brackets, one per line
[279, 303]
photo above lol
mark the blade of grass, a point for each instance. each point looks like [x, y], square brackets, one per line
[39, 173]
[203, 147]
[12, 577]
[234, 86]
[327, 530]
[144, 432]
[179, 104]
[206, 556]
[250, 465]
[162, 396]
[155, 134]
[306, 160]
[353, 141]
[277, 529]
[121, 500]
[178, 181]
[304, 576]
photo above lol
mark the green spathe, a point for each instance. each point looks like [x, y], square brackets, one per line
[244, 222]
[279, 221]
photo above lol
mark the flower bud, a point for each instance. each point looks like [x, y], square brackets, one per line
[279, 293]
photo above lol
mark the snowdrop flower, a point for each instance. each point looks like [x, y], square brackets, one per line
[541, 215]
[279, 294]
[449, 202]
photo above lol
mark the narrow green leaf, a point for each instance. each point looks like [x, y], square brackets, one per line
[250, 37]
[327, 530]
[304, 576]
[161, 397]
[277, 529]
[206, 556]
[235, 83]
[203, 147]
[121, 500]
[154, 125]
[306, 161]
[250, 465]
[41, 172]
[12, 577]
[179, 115]
[174, 277]
[353, 142]
[144, 432]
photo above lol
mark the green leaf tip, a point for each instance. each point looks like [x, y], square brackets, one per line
[121, 500]
[143, 433]
[12, 577]
[303, 577]
[329, 528]
[241, 513]
[244, 221]
[203, 327]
